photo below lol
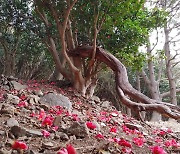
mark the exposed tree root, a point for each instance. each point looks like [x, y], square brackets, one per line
[123, 86]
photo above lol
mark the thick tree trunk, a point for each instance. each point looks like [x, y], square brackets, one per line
[123, 86]
[81, 81]
[153, 84]
[9, 65]
[172, 84]
[138, 85]
[56, 75]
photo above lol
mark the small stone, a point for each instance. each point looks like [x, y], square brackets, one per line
[31, 152]
[25, 111]
[98, 127]
[12, 122]
[77, 94]
[15, 152]
[105, 104]
[47, 145]
[73, 137]
[4, 151]
[13, 99]
[30, 132]
[103, 124]
[78, 129]
[134, 126]
[114, 114]
[34, 98]
[117, 120]
[92, 102]
[31, 101]
[18, 86]
[63, 136]
[2, 132]
[57, 121]
[54, 99]
[18, 131]
[96, 99]
[38, 92]
[7, 109]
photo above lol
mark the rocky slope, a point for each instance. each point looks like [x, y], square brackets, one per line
[40, 117]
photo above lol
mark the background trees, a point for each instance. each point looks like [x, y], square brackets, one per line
[166, 55]
[22, 52]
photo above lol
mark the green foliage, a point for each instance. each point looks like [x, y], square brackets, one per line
[125, 31]
[14, 14]
[19, 24]
[125, 26]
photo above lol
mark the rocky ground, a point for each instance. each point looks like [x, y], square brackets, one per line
[40, 117]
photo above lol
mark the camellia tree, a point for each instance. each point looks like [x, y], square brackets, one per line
[75, 33]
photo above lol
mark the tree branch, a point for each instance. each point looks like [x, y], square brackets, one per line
[167, 94]
[124, 87]
[160, 70]
[145, 77]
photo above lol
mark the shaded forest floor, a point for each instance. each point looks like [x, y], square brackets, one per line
[90, 126]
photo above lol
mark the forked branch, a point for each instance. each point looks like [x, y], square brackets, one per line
[123, 86]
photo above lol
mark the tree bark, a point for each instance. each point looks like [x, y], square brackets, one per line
[123, 86]
[153, 84]
[171, 80]
[138, 85]
[56, 75]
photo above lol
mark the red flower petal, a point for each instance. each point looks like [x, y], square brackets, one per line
[126, 150]
[45, 133]
[63, 151]
[171, 142]
[23, 97]
[19, 145]
[70, 149]
[113, 130]
[48, 121]
[22, 104]
[138, 141]
[90, 125]
[162, 133]
[158, 150]
[125, 143]
[99, 136]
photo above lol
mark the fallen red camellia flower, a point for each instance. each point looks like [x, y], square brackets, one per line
[68, 150]
[45, 133]
[138, 141]
[113, 130]
[23, 97]
[63, 151]
[171, 142]
[22, 104]
[19, 145]
[125, 143]
[90, 125]
[99, 136]
[158, 150]
[48, 121]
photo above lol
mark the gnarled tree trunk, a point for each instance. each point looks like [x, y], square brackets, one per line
[123, 86]
[152, 82]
